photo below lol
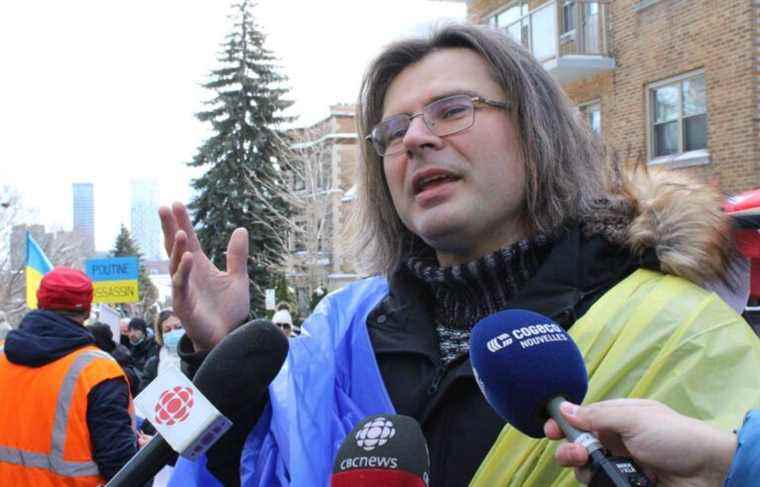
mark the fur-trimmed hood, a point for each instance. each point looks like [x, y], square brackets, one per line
[683, 221]
[675, 215]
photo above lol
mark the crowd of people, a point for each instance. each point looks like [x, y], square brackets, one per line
[480, 190]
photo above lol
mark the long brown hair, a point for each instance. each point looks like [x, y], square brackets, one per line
[565, 165]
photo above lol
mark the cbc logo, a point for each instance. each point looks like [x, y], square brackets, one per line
[174, 405]
[501, 341]
[375, 433]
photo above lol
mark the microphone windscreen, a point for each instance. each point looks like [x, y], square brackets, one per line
[521, 361]
[383, 450]
[235, 377]
[241, 366]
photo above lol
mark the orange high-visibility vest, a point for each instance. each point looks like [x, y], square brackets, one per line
[44, 437]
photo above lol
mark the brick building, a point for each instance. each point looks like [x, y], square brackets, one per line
[669, 82]
[323, 185]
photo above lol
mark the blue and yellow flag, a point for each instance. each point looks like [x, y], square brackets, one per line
[37, 265]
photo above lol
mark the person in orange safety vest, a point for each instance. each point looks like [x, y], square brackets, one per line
[65, 408]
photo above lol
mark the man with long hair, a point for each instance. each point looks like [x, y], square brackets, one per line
[480, 189]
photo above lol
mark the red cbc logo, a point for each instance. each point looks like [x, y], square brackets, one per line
[174, 405]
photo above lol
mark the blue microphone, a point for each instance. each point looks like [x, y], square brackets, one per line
[526, 365]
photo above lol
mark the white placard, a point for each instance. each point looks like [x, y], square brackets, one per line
[269, 299]
[110, 317]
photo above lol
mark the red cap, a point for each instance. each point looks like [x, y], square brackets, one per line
[65, 289]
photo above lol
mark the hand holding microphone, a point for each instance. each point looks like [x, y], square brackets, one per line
[526, 365]
[678, 450]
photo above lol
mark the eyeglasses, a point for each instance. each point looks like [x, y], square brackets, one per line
[442, 117]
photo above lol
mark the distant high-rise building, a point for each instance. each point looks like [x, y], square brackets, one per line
[145, 225]
[84, 215]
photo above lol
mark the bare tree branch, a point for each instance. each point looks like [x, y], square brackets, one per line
[306, 165]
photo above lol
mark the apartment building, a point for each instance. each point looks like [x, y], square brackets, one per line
[322, 184]
[668, 82]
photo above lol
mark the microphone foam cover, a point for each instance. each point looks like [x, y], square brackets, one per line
[241, 366]
[383, 450]
[235, 377]
[522, 360]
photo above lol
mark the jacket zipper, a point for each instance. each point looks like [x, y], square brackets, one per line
[439, 374]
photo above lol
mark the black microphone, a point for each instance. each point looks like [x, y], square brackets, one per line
[234, 378]
[526, 365]
[385, 450]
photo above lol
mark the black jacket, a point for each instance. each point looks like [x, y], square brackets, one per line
[45, 336]
[143, 351]
[460, 427]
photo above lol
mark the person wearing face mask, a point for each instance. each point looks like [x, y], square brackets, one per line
[168, 331]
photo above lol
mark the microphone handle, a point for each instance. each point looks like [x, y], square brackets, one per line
[142, 467]
[606, 471]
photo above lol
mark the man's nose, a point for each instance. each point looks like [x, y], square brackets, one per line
[419, 136]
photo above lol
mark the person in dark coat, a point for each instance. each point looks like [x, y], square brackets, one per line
[480, 190]
[45, 337]
[141, 345]
[104, 340]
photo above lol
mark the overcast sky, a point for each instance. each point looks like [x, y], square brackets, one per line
[105, 92]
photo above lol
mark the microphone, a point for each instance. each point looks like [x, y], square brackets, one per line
[234, 378]
[526, 365]
[385, 450]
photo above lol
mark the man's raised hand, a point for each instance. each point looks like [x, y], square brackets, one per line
[209, 302]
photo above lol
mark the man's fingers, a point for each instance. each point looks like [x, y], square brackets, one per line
[552, 430]
[613, 416]
[571, 455]
[184, 223]
[168, 227]
[609, 416]
[574, 456]
[572, 413]
[177, 251]
[181, 278]
[237, 252]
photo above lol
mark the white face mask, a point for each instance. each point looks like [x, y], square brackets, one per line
[171, 339]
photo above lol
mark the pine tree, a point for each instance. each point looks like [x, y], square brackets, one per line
[283, 294]
[241, 155]
[125, 246]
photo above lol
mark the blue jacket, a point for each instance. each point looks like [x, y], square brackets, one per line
[745, 468]
[45, 336]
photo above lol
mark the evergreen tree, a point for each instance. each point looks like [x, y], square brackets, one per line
[125, 246]
[283, 294]
[241, 155]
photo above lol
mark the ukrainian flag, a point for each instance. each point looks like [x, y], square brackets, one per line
[37, 265]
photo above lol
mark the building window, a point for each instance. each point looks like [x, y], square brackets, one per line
[592, 114]
[568, 16]
[678, 120]
[514, 21]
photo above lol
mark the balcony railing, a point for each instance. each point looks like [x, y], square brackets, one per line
[568, 38]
